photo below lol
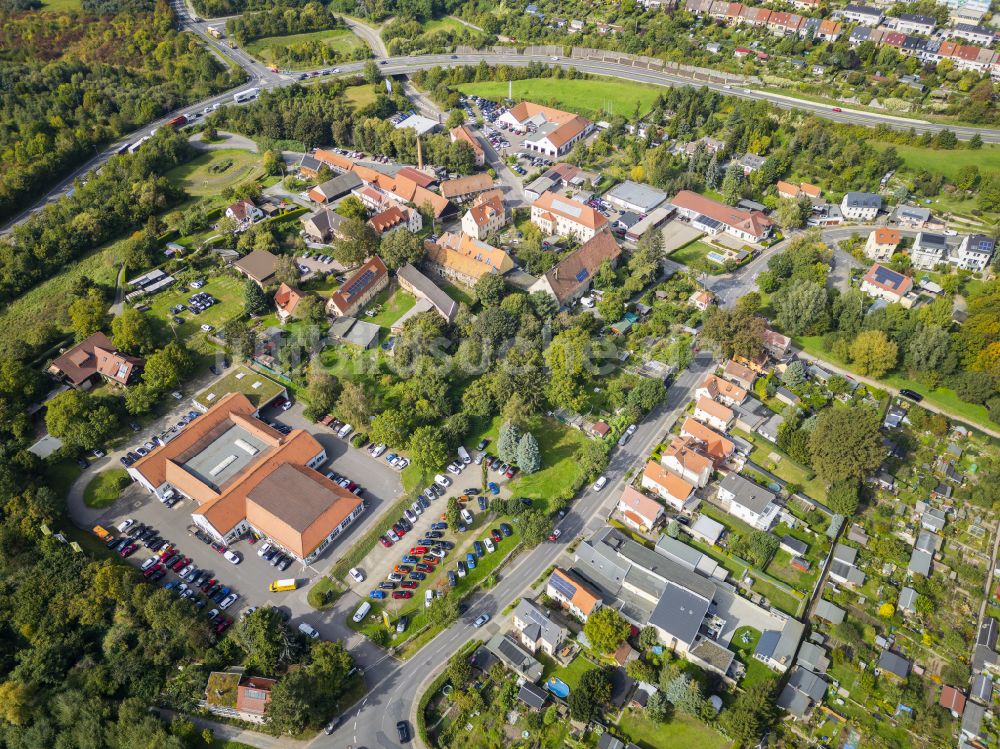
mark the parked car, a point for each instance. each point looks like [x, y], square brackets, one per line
[356, 574]
[494, 489]
[232, 557]
[506, 529]
[601, 482]
[402, 594]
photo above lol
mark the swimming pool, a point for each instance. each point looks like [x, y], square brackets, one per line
[558, 687]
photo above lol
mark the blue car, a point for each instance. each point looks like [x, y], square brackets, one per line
[482, 503]
[478, 546]
[378, 595]
[492, 486]
[439, 527]
[417, 576]
[171, 585]
[390, 457]
[470, 559]
[410, 559]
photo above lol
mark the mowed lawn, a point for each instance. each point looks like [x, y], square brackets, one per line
[105, 487]
[695, 256]
[587, 97]
[681, 731]
[360, 96]
[210, 173]
[947, 162]
[342, 40]
[558, 445]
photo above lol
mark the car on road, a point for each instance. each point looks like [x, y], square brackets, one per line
[418, 550]
[554, 535]
[601, 482]
[357, 575]
[482, 444]
[148, 563]
[481, 620]
[911, 394]
[232, 557]
[403, 731]
[837, 109]
[409, 559]
[387, 585]
[424, 568]
[264, 549]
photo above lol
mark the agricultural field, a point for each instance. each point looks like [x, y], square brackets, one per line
[592, 97]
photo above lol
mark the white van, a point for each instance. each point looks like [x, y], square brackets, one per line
[308, 631]
[428, 597]
[344, 431]
[362, 612]
[466, 516]
[464, 455]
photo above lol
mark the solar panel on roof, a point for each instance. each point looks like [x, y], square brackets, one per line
[582, 274]
[563, 586]
[361, 282]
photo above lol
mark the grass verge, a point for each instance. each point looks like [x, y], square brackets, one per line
[105, 487]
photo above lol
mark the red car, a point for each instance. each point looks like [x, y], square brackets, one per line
[223, 624]
[425, 568]
[219, 547]
[496, 535]
[385, 541]
[510, 472]
[554, 535]
[419, 550]
[837, 109]
[152, 570]
[402, 594]
[400, 530]
[180, 563]
[408, 585]
[128, 550]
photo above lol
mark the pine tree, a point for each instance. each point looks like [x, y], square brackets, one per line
[507, 443]
[529, 458]
[712, 172]
[254, 301]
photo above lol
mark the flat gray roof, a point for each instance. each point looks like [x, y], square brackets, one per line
[680, 613]
[643, 197]
[226, 454]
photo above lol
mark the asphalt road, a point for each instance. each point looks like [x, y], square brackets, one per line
[393, 697]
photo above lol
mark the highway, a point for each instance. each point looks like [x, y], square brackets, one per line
[394, 697]
[262, 77]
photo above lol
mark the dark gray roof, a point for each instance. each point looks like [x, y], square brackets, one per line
[793, 701]
[809, 683]
[862, 199]
[987, 634]
[927, 541]
[531, 695]
[607, 741]
[797, 546]
[813, 657]
[894, 663]
[828, 611]
[767, 643]
[920, 563]
[746, 493]
[982, 688]
[972, 719]
[340, 185]
[845, 554]
[680, 613]
[444, 304]
[928, 240]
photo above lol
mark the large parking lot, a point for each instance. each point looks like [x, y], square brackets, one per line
[252, 576]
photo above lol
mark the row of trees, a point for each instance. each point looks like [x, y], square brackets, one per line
[312, 16]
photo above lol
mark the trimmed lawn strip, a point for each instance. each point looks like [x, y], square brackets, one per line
[785, 469]
[947, 162]
[593, 96]
[681, 731]
[778, 598]
[572, 673]
[943, 397]
[105, 487]
[458, 293]
[695, 255]
[395, 303]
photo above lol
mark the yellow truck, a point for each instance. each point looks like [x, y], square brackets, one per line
[282, 585]
[102, 533]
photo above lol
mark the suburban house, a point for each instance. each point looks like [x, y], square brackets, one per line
[714, 217]
[360, 288]
[714, 414]
[576, 596]
[536, 631]
[803, 691]
[776, 344]
[751, 503]
[843, 569]
[884, 283]
[701, 299]
[396, 217]
[881, 244]
[286, 299]
[750, 163]
[235, 695]
[799, 191]
[860, 206]
[244, 476]
[465, 134]
[552, 132]
[424, 289]
[335, 188]
[710, 442]
[259, 266]
[737, 373]
[685, 458]
[973, 253]
[570, 278]
[929, 250]
[463, 188]
[465, 259]
[565, 217]
[637, 508]
[893, 666]
[485, 217]
[727, 393]
[244, 213]
[92, 359]
[322, 226]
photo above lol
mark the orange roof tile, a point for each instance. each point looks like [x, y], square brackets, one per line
[717, 446]
[571, 210]
[585, 598]
[672, 484]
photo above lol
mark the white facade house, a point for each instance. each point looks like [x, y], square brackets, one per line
[860, 206]
[682, 457]
[714, 414]
[973, 253]
[881, 244]
[751, 503]
[929, 250]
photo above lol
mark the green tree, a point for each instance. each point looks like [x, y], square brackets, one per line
[265, 641]
[735, 332]
[752, 713]
[452, 513]
[490, 289]
[606, 629]
[756, 547]
[166, 368]
[401, 247]
[240, 338]
[456, 117]
[290, 708]
[459, 671]
[790, 213]
[646, 395]
[529, 458]
[428, 451]
[312, 310]
[535, 528]
[873, 354]
[286, 271]
[391, 427]
[927, 350]
[508, 441]
[354, 406]
[352, 207]
[88, 314]
[967, 177]
[356, 242]
[842, 496]
[132, 332]
[658, 708]
[801, 307]
[846, 443]
[733, 184]
[794, 375]
[648, 638]
[443, 611]
[254, 301]
[79, 419]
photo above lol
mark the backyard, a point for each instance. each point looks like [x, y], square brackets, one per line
[267, 49]
[559, 472]
[682, 731]
[784, 467]
[590, 97]
[744, 643]
[395, 303]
